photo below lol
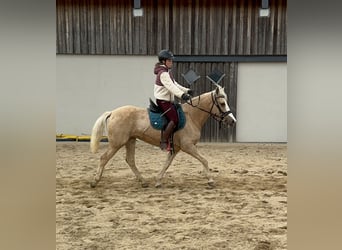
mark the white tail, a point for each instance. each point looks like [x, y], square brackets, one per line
[97, 131]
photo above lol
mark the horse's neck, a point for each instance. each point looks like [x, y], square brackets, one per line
[198, 115]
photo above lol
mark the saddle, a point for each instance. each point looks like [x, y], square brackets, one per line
[158, 120]
[154, 107]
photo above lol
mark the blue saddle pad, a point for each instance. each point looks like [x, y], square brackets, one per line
[157, 121]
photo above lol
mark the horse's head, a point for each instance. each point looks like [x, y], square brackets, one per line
[223, 109]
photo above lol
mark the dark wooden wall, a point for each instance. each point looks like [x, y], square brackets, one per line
[186, 27]
[211, 131]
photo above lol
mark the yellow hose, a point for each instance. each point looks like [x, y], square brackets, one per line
[64, 137]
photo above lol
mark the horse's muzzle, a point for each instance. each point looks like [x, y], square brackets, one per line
[229, 120]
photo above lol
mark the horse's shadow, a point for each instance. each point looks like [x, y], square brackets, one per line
[248, 183]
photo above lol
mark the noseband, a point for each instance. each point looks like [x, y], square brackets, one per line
[219, 117]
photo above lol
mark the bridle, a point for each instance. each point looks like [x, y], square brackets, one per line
[219, 117]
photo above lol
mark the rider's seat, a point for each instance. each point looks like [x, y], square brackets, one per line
[154, 107]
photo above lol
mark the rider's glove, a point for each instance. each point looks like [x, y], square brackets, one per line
[186, 97]
[191, 92]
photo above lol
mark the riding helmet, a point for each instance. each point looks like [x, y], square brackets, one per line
[165, 54]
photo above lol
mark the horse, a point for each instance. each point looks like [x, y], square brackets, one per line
[126, 124]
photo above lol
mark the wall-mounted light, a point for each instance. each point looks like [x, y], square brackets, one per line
[264, 11]
[137, 10]
[216, 76]
[190, 76]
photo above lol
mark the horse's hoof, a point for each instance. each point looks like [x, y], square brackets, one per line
[93, 184]
[211, 183]
[144, 184]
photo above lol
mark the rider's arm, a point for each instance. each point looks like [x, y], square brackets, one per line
[181, 87]
[171, 86]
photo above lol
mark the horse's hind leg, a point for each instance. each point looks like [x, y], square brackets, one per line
[192, 150]
[103, 161]
[168, 162]
[130, 159]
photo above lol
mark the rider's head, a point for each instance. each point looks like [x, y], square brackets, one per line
[165, 55]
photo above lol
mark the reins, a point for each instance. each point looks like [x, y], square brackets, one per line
[218, 118]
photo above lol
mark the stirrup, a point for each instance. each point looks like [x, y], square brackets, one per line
[164, 145]
[169, 147]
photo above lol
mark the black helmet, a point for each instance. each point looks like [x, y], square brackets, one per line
[165, 54]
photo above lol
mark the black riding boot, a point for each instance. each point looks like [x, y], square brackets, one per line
[166, 134]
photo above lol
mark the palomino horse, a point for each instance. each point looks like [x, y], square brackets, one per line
[128, 123]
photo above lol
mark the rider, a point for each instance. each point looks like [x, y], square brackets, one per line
[165, 89]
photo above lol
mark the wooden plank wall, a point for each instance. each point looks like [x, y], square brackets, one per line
[187, 27]
[211, 131]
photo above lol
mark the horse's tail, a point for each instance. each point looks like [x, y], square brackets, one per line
[98, 130]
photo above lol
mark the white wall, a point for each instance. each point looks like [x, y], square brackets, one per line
[262, 102]
[89, 85]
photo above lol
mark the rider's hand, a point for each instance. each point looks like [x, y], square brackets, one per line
[186, 97]
[191, 92]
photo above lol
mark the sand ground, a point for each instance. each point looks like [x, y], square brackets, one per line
[246, 208]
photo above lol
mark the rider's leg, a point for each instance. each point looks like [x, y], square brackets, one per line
[166, 134]
[172, 118]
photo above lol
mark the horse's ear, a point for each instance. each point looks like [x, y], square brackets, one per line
[217, 90]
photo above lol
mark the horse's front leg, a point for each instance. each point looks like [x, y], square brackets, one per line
[192, 150]
[168, 162]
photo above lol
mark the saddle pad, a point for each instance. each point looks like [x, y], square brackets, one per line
[158, 122]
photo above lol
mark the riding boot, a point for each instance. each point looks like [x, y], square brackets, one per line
[166, 134]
